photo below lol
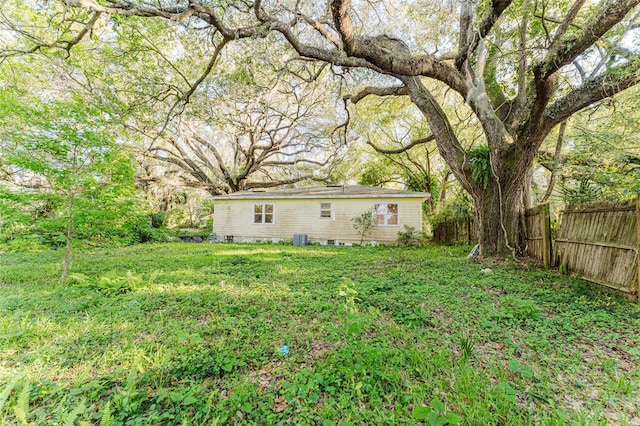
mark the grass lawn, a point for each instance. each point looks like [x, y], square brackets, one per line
[193, 334]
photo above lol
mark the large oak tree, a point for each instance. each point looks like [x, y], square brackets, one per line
[233, 142]
[521, 68]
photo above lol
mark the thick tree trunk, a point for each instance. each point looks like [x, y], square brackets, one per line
[499, 223]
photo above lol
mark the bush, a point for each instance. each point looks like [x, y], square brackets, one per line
[363, 224]
[409, 237]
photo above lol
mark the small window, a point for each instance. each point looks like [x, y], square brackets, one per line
[325, 210]
[263, 213]
[385, 214]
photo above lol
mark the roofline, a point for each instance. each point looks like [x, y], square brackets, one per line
[265, 195]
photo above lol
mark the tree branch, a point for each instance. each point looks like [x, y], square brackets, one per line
[496, 9]
[321, 30]
[377, 91]
[564, 25]
[78, 38]
[565, 51]
[38, 44]
[466, 25]
[593, 90]
[556, 162]
[448, 144]
[344, 25]
[405, 148]
[207, 71]
[521, 97]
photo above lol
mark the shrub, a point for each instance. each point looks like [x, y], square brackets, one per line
[363, 223]
[409, 237]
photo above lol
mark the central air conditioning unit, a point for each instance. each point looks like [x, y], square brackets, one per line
[300, 239]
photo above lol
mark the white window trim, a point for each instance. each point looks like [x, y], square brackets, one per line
[253, 214]
[331, 217]
[385, 224]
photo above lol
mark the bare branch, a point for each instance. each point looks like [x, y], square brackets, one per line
[415, 142]
[182, 101]
[322, 30]
[377, 91]
[207, 71]
[290, 181]
[544, 18]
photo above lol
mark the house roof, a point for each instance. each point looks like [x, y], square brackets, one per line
[337, 191]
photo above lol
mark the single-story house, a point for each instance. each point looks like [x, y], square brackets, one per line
[321, 213]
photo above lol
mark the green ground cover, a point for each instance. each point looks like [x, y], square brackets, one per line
[192, 334]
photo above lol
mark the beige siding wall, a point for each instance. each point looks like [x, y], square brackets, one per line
[302, 216]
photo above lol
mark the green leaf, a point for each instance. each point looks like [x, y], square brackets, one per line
[437, 405]
[74, 414]
[526, 372]
[189, 400]
[421, 412]
[434, 419]
[509, 391]
[453, 419]
[176, 397]
[513, 365]
[106, 419]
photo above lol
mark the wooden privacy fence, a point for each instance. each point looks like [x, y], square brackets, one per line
[598, 242]
[538, 230]
[601, 243]
[460, 230]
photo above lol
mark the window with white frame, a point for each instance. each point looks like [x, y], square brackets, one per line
[385, 214]
[325, 211]
[263, 213]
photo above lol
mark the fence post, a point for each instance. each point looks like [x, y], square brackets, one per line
[638, 253]
[545, 218]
